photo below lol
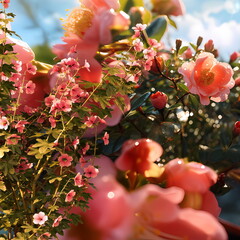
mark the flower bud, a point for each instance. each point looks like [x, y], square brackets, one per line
[159, 100]
[236, 129]
[209, 46]
[234, 56]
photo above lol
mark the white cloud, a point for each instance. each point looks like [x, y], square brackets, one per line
[226, 36]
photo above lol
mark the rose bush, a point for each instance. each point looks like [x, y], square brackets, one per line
[122, 138]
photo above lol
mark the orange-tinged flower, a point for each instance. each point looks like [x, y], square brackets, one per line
[208, 78]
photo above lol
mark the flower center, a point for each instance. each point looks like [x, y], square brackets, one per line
[78, 21]
[206, 77]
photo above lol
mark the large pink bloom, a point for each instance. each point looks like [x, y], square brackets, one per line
[87, 27]
[138, 155]
[195, 179]
[158, 216]
[110, 215]
[208, 78]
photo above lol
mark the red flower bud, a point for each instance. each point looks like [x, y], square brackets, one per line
[234, 56]
[209, 46]
[159, 100]
[236, 129]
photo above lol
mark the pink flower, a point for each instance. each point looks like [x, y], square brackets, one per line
[30, 87]
[138, 45]
[181, 174]
[4, 123]
[139, 28]
[40, 218]
[5, 3]
[105, 138]
[52, 122]
[32, 69]
[75, 142]
[20, 126]
[192, 224]
[65, 160]
[78, 180]
[44, 236]
[158, 216]
[168, 7]
[195, 179]
[70, 196]
[12, 139]
[85, 149]
[91, 171]
[91, 121]
[57, 221]
[159, 100]
[208, 78]
[24, 165]
[138, 155]
[105, 219]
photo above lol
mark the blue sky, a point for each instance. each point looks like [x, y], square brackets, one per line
[212, 19]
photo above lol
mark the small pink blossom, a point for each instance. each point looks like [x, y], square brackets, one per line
[70, 196]
[82, 161]
[105, 138]
[4, 123]
[57, 221]
[149, 53]
[20, 126]
[40, 218]
[44, 236]
[148, 64]
[24, 165]
[138, 29]
[86, 65]
[78, 180]
[49, 100]
[85, 149]
[138, 45]
[52, 122]
[12, 139]
[91, 120]
[32, 69]
[71, 63]
[91, 171]
[75, 142]
[65, 160]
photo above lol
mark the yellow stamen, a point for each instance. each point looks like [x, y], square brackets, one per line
[206, 77]
[78, 21]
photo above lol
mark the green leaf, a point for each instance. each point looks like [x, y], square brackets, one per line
[171, 22]
[157, 28]
[174, 106]
[193, 46]
[182, 50]
[194, 102]
[138, 101]
[182, 87]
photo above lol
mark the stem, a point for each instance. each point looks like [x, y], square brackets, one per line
[35, 181]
